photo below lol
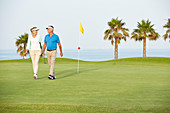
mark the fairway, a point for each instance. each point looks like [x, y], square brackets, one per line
[131, 85]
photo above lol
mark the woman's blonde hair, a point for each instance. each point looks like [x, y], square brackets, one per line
[32, 29]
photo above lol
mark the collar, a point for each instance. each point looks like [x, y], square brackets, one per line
[52, 34]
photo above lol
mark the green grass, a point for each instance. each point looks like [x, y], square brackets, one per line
[132, 85]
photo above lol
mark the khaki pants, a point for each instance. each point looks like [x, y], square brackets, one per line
[35, 56]
[51, 55]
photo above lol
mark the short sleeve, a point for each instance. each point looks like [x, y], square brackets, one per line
[58, 40]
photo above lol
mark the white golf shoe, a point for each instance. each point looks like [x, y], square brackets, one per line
[35, 76]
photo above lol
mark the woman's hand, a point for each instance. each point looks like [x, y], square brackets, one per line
[43, 55]
[25, 53]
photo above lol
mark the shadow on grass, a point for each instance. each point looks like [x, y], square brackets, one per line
[43, 77]
[71, 72]
[74, 73]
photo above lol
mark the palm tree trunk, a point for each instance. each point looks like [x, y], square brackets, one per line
[116, 48]
[144, 47]
[24, 50]
[25, 47]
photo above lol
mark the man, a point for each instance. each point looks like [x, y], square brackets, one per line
[50, 41]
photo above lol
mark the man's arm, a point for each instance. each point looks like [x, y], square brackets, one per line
[59, 45]
[44, 46]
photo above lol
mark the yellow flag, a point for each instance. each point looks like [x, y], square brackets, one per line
[81, 28]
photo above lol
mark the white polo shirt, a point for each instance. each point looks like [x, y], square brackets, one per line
[34, 43]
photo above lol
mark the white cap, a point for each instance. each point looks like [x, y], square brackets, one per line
[50, 27]
[35, 29]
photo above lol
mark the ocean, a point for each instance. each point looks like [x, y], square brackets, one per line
[95, 54]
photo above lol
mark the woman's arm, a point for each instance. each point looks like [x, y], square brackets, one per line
[44, 46]
[28, 45]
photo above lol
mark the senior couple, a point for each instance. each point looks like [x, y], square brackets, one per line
[35, 49]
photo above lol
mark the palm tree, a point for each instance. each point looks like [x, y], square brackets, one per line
[144, 30]
[21, 44]
[115, 33]
[167, 35]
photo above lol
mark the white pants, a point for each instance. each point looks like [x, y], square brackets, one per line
[51, 55]
[35, 56]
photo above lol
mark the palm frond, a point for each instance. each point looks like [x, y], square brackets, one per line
[116, 27]
[120, 35]
[124, 38]
[167, 25]
[110, 37]
[168, 31]
[145, 29]
[165, 36]
[22, 53]
[118, 41]
[21, 43]
[106, 36]
[19, 49]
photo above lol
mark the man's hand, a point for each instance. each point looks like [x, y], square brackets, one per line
[61, 54]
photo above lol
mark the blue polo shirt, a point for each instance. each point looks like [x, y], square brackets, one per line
[51, 41]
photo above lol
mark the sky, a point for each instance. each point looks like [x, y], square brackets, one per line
[18, 16]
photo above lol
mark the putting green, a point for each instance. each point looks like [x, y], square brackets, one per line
[124, 85]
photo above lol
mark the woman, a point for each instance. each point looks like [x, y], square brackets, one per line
[34, 47]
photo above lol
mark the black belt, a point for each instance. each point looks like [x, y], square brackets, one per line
[51, 50]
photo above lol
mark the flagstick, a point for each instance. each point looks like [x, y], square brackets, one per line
[78, 54]
[82, 31]
[78, 63]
